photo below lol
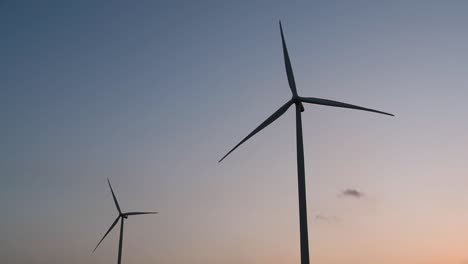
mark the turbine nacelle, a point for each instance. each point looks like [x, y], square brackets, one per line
[297, 100]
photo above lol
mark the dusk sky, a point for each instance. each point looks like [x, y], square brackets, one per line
[152, 94]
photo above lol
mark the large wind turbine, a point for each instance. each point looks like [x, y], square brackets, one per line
[121, 216]
[297, 101]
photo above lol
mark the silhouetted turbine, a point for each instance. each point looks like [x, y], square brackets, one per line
[298, 100]
[121, 216]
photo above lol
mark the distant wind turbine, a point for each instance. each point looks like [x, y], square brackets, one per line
[121, 216]
[297, 101]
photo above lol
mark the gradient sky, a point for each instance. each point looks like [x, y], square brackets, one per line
[151, 94]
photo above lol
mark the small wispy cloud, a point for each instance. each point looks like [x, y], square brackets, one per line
[326, 219]
[352, 193]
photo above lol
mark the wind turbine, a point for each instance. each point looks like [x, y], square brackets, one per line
[297, 101]
[120, 217]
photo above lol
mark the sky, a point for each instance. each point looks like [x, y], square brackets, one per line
[151, 94]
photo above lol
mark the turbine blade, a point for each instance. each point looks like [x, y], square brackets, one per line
[113, 195]
[139, 213]
[319, 101]
[287, 63]
[265, 123]
[108, 231]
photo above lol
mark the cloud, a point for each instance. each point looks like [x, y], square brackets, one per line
[327, 219]
[352, 193]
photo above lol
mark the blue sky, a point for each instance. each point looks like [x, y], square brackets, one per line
[151, 94]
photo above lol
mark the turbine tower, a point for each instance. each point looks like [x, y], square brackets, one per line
[298, 102]
[121, 217]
